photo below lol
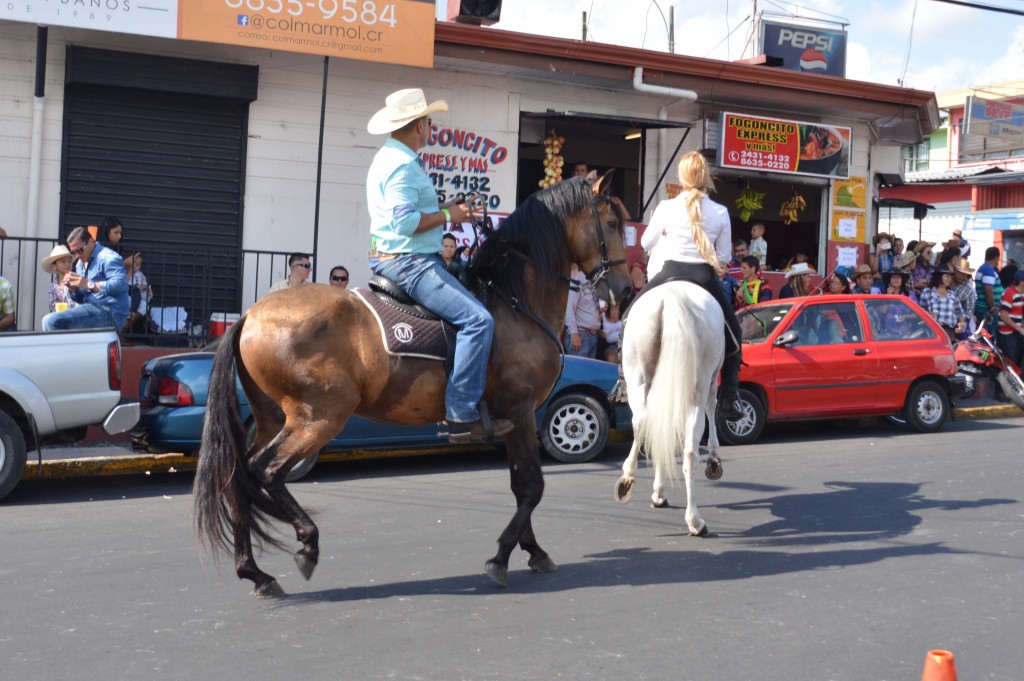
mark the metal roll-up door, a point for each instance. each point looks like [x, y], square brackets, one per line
[171, 166]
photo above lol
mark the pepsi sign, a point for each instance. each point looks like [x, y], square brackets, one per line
[802, 48]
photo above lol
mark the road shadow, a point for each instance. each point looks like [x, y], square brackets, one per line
[848, 512]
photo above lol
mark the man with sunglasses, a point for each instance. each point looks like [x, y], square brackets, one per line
[406, 227]
[299, 268]
[98, 284]
[339, 276]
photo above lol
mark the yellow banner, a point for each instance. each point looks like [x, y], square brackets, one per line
[396, 32]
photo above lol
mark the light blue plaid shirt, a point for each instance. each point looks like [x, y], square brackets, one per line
[398, 191]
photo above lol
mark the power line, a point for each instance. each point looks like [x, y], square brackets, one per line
[978, 5]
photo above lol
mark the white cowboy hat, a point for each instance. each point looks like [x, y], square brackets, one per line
[799, 268]
[402, 107]
[59, 251]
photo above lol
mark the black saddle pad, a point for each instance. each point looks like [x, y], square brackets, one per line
[405, 329]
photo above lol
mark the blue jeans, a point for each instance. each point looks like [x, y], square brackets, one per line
[1011, 344]
[425, 279]
[87, 316]
[588, 345]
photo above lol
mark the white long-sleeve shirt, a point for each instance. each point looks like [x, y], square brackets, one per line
[668, 236]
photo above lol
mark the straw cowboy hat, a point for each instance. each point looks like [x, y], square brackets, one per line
[799, 268]
[922, 246]
[965, 267]
[59, 251]
[861, 270]
[402, 107]
[906, 259]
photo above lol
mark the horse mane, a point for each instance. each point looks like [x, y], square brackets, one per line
[533, 235]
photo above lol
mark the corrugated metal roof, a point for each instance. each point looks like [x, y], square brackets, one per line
[950, 173]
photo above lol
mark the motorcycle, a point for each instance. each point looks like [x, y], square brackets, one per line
[978, 356]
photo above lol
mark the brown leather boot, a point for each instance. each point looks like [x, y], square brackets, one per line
[474, 431]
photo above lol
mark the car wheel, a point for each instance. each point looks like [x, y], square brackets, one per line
[747, 429]
[299, 470]
[1012, 387]
[575, 429]
[927, 407]
[12, 454]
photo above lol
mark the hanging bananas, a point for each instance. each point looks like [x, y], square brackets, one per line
[748, 202]
[791, 208]
[553, 160]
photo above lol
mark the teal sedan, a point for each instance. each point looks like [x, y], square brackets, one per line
[574, 424]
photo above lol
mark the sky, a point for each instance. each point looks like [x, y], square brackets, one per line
[951, 47]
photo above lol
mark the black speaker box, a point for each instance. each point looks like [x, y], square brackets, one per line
[479, 12]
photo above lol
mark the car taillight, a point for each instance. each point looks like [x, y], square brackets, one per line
[114, 366]
[174, 393]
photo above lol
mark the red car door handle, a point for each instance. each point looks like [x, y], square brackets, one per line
[860, 351]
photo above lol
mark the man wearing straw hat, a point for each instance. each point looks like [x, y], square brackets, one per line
[98, 285]
[406, 227]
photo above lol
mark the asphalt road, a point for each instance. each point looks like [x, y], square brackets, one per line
[839, 551]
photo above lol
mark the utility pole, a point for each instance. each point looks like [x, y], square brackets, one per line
[584, 27]
[671, 29]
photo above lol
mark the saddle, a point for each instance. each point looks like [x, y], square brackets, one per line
[407, 328]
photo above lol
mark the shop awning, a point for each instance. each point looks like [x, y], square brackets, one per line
[605, 119]
[995, 220]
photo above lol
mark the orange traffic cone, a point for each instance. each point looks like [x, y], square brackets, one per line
[939, 666]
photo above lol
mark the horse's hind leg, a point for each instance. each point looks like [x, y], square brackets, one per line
[696, 524]
[265, 586]
[271, 466]
[527, 481]
[627, 482]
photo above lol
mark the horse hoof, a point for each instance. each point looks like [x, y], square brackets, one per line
[713, 470]
[305, 564]
[269, 589]
[544, 564]
[703, 532]
[660, 503]
[497, 573]
[624, 489]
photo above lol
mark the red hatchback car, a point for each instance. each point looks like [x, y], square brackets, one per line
[844, 356]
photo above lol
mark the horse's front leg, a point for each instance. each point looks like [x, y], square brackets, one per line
[527, 483]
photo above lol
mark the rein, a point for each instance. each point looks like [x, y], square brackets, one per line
[602, 268]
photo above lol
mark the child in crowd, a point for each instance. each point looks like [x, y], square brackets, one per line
[758, 246]
[752, 289]
[58, 264]
[138, 287]
[611, 332]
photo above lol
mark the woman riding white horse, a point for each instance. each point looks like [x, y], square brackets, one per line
[674, 347]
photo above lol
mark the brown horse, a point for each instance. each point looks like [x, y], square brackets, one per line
[310, 357]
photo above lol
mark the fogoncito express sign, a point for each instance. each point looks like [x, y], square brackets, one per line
[393, 31]
[782, 146]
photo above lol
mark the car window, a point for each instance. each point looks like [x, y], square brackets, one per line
[828, 324]
[896, 320]
[757, 323]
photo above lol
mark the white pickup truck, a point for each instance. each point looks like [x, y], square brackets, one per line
[52, 387]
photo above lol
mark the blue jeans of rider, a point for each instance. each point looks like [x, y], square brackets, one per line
[88, 316]
[426, 280]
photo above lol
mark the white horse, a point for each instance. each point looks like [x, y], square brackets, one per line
[671, 356]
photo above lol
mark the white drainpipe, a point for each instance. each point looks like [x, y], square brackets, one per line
[684, 97]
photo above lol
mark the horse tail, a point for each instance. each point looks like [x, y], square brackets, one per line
[676, 392]
[226, 498]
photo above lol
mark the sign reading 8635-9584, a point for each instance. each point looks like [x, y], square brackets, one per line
[365, 12]
[394, 31]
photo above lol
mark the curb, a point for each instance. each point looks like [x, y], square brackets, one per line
[994, 411]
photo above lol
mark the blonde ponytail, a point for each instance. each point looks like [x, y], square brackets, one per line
[695, 176]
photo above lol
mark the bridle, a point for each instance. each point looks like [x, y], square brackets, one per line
[600, 271]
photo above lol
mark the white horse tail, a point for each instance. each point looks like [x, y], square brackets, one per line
[677, 394]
